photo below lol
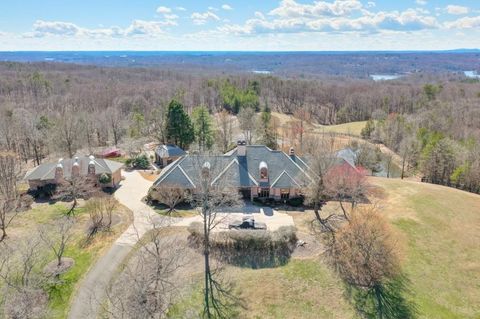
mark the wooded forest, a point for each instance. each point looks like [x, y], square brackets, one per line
[48, 110]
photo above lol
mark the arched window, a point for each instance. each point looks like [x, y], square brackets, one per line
[263, 170]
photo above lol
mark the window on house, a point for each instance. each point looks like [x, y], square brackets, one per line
[284, 193]
[264, 193]
[263, 170]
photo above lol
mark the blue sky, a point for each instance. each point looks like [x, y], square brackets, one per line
[239, 25]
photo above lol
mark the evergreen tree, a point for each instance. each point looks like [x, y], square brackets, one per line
[179, 126]
[265, 131]
[202, 124]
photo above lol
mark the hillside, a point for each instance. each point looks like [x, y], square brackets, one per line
[442, 230]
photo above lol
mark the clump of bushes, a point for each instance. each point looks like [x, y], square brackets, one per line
[139, 162]
[248, 248]
[105, 178]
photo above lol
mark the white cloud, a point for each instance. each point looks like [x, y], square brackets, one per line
[293, 9]
[456, 10]
[202, 18]
[170, 16]
[421, 2]
[147, 28]
[464, 23]
[226, 7]
[371, 4]
[67, 29]
[259, 15]
[304, 18]
[163, 10]
[56, 28]
[181, 9]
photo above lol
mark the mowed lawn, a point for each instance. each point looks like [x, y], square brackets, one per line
[442, 233]
[303, 288]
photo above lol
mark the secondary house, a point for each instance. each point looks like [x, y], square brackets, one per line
[168, 153]
[105, 173]
[256, 171]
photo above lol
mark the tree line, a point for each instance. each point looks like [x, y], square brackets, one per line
[58, 109]
[440, 141]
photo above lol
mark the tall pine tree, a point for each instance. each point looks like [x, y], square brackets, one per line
[179, 126]
[202, 124]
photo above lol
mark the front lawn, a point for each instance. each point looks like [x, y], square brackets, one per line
[84, 256]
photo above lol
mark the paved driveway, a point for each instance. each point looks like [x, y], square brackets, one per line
[90, 294]
[272, 218]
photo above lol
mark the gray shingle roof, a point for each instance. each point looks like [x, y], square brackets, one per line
[285, 181]
[169, 150]
[239, 171]
[348, 156]
[47, 171]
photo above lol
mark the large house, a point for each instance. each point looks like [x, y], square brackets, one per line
[87, 166]
[255, 170]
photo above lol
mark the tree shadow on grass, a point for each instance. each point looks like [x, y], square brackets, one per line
[385, 301]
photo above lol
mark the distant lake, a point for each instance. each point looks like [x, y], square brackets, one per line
[384, 77]
[472, 74]
[261, 72]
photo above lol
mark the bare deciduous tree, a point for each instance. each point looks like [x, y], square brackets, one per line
[101, 211]
[21, 281]
[210, 197]
[225, 130]
[323, 158]
[147, 286]
[9, 197]
[170, 196]
[69, 128]
[345, 183]
[247, 121]
[57, 237]
[73, 189]
[366, 255]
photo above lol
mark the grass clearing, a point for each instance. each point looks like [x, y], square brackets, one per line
[441, 226]
[27, 222]
[352, 128]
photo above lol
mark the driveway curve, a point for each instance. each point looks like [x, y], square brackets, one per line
[91, 292]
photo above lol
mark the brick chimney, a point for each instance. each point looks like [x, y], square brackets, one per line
[292, 151]
[59, 171]
[76, 167]
[241, 147]
[91, 165]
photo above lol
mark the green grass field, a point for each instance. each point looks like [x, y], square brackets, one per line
[84, 256]
[440, 229]
[442, 233]
[300, 289]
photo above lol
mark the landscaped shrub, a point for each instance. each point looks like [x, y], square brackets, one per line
[248, 248]
[296, 201]
[140, 162]
[105, 178]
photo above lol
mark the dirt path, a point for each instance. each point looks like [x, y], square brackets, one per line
[89, 296]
